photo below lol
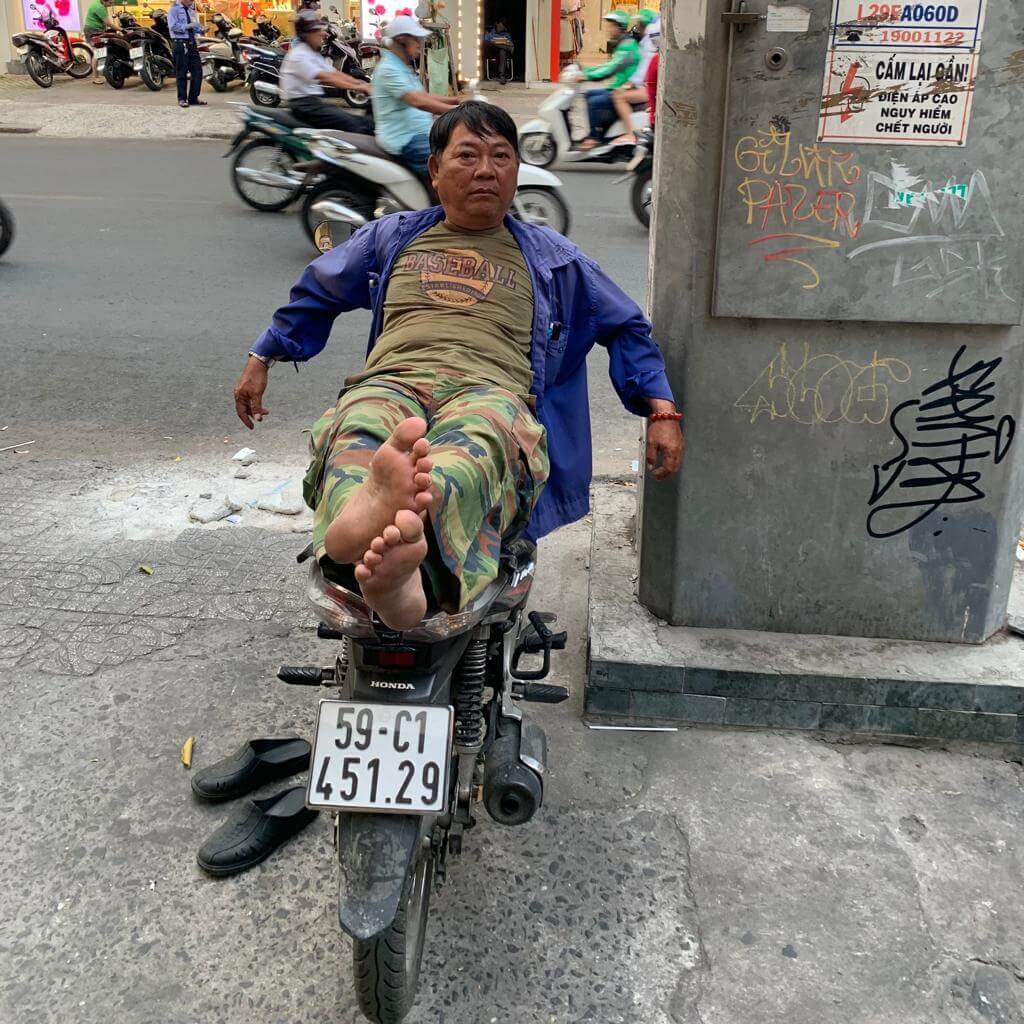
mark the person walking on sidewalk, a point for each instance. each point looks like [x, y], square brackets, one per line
[97, 20]
[188, 67]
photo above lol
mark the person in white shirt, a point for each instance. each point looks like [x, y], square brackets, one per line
[647, 25]
[305, 72]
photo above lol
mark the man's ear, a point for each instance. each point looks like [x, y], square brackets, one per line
[432, 170]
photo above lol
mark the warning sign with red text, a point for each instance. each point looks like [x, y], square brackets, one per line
[897, 98]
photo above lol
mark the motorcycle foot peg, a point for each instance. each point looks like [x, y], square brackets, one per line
[540, 693]
[512, 791]
[324, 632]
[306, 675]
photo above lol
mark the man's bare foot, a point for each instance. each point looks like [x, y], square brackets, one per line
[389, 574]
[399, 479]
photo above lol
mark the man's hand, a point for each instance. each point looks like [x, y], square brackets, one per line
[665, 444]
[249, 392]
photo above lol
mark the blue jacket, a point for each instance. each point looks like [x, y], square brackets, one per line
[575, 306]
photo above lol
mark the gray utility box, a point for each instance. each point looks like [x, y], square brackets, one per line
[837, 284]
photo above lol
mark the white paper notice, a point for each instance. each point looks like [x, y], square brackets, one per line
[788, 18]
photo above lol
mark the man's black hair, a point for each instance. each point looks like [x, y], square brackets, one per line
[482, 119]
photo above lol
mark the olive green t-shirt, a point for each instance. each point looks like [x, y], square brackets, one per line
[459, 300]
[95, 17]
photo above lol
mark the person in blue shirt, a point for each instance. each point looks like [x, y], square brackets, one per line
[500, 40]
[188, 66]
[469, 424]
[402, 108]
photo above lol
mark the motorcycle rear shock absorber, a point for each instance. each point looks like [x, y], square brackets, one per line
[468, 697]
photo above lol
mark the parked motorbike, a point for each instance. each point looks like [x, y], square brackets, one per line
[548, 137]
[265, 31]
[6, 228]
[51, 50]
[346, 60]
[127, 50]
[264, 73]
[267, 152]
[641, 170]
[157, 61]
[361, 182]
[426, 723]
[221, 55]
[367, 50]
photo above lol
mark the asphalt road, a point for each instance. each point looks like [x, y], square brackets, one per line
[138, 280]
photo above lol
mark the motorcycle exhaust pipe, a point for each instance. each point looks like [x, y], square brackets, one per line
[513, 774]
[268, 87]
[269, 178]
[330, 210]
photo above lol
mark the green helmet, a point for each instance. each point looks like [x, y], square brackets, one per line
[619, 17]
[644, 17]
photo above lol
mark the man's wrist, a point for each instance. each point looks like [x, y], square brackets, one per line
[661, 405]
[265, 360]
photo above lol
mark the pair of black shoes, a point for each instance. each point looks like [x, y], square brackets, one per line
[261, 826]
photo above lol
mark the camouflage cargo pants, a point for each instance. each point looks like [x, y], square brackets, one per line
[490, 466]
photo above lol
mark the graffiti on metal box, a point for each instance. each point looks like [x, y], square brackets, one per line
[823, 388]
[946, 438]
[797, 199]
[947, 236]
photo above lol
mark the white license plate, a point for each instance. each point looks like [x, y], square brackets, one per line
[100, 52]
[207, 71]
[136, 52]
[381, 757]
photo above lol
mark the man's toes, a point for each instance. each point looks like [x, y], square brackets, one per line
[409, 525]
[423, 500]
[408, 433]
[421, 448]
[363, 573]
[378, 545]
[422, 481]
[392, 536]
[372, 559]
[424, 465]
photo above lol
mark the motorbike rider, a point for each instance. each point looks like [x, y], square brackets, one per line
[646, 29]
[402, 108]
[470, 416]
[97, 20]
[615, 73]
[305, 72]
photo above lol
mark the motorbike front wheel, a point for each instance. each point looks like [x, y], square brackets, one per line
[6, 229]
[640, 196]
[359, 100]
[151, 76]
[114, 74]
[321, 230]
[386, 968]
[536, 204]
[39, 71]
[261, 98]
[263, 155]
[81, 66]
[538, 149]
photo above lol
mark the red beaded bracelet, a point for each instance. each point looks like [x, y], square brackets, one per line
[656, 416]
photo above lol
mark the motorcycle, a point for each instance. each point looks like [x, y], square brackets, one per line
[6, 228]
[359, 181]
[264, 73]
[367, 50]
[641, 169]
[267, 153]
[129, 50]
[50, 49]
[220, 54]
[548, 137]
[157, 62]
[426, 723]
[265, 31]
[345, 59]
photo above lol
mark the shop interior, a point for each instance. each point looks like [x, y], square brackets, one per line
[513, 13]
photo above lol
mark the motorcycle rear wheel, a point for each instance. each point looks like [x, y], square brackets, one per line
[543, 206]
[359, 100]
[538, 149]
[321, 232]
[268, 156]
[151, 77]
[386, 968]
[114, 75]
[6, 229]
[81, 66]
[640, 198]
[263, 99]
[39, 71]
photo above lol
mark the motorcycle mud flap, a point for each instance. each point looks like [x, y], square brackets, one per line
[375, 852]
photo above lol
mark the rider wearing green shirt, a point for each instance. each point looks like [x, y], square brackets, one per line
[616, 73]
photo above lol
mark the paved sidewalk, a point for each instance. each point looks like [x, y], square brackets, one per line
[80, 109]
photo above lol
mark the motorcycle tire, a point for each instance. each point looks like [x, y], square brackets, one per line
[386, 968]
[361, 202]
[218, 83]
[538, 149]
[263, 99]
[6, 229]
[286, 198]
[359, 100]
[543, 206]
[640, 198]
[82, 64]
[114, 75]
[39, 71]
[151, 78]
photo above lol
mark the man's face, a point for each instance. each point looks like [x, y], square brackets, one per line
[475, 179]
[613, 30]
[412, 45]
[314, 39]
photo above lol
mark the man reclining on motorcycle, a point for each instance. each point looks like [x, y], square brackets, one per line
[469, 424]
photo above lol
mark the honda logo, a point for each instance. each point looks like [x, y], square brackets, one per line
[391, 684]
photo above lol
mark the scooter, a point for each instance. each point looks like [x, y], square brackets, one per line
[367, 50]
[423, 726]
[122, 52]
[265, 31]
[220, 54]
[157, 62]
[264, 72]
[51, 50]
[359, 181]
[345, 59]
[548, 137]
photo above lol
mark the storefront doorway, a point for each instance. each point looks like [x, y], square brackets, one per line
[513, 13]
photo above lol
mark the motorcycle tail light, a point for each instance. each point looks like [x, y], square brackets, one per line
[391, 659]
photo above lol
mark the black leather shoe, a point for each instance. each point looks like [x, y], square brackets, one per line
[254, 763]
[259, 828]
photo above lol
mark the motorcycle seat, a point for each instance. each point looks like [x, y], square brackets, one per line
[366, 144]
[282, 117]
